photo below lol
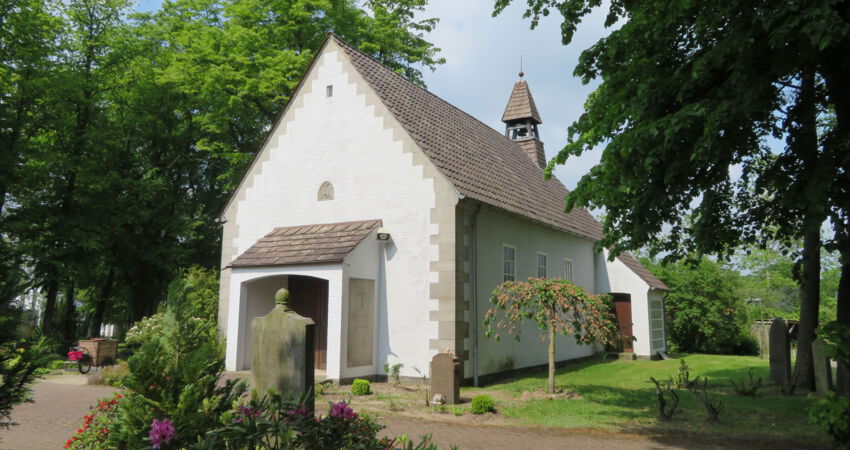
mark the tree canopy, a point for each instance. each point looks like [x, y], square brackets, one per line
[123, 133]
[693, 93]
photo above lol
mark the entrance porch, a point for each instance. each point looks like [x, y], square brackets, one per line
[340, 296]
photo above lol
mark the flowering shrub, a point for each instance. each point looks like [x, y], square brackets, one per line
[275, 421]
[94, 432]
[144, 330]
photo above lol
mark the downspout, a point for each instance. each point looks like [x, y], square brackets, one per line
[473, 267]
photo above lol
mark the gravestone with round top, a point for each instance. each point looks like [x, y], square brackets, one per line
[780, 352]
[445, 377]
[823, 367]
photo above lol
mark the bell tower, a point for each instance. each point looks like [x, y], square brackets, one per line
[521, 119]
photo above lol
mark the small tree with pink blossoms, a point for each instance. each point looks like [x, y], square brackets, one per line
[557, 307]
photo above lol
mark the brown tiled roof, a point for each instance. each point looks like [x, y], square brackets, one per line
[642, 272]
[533, 148]
[521, 104]
[306, 244]
[479, 161]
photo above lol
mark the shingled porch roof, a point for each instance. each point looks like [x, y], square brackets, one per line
[306, 244]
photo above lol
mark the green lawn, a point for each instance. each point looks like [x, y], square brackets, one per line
[618, 394]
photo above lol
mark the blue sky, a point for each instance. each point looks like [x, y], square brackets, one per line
[482, 62]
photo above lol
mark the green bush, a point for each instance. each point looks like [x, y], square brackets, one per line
[482, 404]
[832, 415]
[704, 312]
[20, 367]
[360, 387]
[198, 288]
[57, 364]
[174, 376]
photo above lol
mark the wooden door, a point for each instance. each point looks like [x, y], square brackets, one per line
[623, 311]
[309, 298]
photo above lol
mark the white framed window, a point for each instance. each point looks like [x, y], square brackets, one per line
[329, 90]
[508, 263]
[568, 269]
[542, 265]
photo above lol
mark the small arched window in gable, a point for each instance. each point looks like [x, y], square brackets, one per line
[326, 191]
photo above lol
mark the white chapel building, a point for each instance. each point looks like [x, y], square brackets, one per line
[391, 215]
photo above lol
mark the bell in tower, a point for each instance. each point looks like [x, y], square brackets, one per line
[521, 119]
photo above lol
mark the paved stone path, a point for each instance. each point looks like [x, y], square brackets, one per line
[61, 401]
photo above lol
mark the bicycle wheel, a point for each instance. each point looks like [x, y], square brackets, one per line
[84, 364]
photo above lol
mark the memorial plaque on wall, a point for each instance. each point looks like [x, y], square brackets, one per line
[361, 314]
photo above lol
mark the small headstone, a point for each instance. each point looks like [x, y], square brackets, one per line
[445, 377]
[823, 367]
[282, 349]
[780, 352]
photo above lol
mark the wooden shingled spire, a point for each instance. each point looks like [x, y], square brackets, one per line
[521, 119]
[521, 105]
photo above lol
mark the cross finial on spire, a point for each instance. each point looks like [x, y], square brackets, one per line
[521, 73]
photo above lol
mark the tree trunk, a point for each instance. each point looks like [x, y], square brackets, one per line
[803, 140]
[551, 386]
[809, 307]
[47, 328]
[100, 305]
[70, 328]
[843, 317]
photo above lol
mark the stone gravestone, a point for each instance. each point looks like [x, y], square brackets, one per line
[823, 368]
[445, 377]
[282, 349]
[780, 352]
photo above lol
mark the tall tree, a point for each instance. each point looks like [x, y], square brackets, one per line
[691, 90]
[122, 134]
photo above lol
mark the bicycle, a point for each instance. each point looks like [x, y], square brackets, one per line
[82, 357]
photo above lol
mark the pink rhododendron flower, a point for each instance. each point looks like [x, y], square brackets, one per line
[162, 432]
[343, 411]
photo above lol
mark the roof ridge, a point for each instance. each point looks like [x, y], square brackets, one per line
[346, 44]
